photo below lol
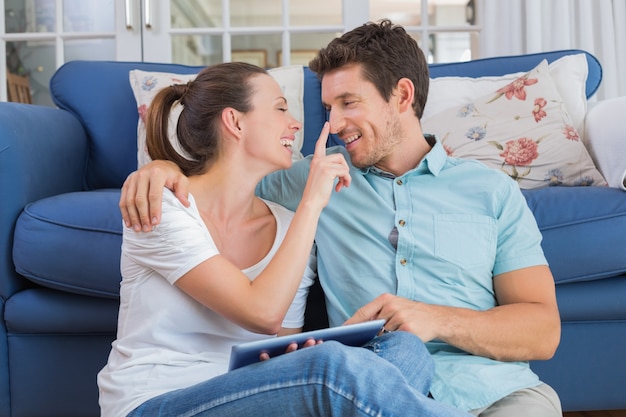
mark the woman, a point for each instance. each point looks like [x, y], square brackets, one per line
[226, 269]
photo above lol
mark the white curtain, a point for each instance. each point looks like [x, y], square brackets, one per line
[512, 27]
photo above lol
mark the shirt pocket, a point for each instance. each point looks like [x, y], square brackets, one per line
[465, 240]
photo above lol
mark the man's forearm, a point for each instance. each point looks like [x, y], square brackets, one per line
[513, 332]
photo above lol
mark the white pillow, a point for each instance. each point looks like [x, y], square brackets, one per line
[605, 139]
[291, 80]
[146, 84]
[523, 129]
[569, 74]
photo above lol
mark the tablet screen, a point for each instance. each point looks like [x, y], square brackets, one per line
[351, 335]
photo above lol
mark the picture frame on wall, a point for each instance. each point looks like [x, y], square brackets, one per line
[251, 56]
[298, 56]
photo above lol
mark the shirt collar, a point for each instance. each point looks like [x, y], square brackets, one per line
[433, 162]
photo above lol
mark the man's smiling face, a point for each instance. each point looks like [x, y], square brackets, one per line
[360, 116]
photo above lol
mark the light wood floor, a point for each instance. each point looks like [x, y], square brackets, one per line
[610, 413]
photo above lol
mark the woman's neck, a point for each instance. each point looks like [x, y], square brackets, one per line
[226, 194]
[241, 225]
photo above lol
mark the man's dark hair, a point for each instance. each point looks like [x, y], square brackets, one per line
[386, 54]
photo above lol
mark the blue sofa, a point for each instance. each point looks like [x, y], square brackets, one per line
[61, 170]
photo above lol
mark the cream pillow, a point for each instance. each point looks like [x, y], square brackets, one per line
[291, 80]
[146, 84]
[523, 129]
[569, 74]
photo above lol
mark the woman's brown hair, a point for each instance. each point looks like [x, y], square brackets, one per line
[216, 88]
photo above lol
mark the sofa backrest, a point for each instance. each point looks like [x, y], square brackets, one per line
[99, 94]
[502, 65]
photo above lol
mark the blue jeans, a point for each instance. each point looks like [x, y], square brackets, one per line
[390, 376]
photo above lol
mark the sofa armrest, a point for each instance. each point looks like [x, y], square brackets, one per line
[43, 152]
[605, 139]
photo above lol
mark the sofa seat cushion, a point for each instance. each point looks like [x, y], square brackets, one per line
[583, 230]
[591, 301]
[42, 310]
[87, 228]
[72, 242]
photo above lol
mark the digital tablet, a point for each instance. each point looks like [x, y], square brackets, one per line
[351, 335]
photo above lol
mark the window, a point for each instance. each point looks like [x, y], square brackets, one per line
[38, 36]
[446, 29]
[449, 26]
[249, 27]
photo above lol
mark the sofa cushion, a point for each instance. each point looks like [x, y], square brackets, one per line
[87, 227]
[72, 242]
[598, 301]
[583, 230]
[523, 129]
[41, 310]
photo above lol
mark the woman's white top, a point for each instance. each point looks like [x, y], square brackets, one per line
[165, 339]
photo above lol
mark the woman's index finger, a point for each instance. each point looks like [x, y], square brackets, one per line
[320, 145]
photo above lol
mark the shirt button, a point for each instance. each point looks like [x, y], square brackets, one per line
[402, 223]
[403, 262]
[399, 181]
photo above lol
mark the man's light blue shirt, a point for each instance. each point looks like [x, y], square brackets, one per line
[437, 234]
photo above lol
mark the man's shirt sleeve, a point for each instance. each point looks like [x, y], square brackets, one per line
[285, 186]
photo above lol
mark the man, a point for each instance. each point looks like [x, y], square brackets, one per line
[441, 247]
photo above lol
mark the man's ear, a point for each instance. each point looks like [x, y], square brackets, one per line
[231, 121]
[405, 92]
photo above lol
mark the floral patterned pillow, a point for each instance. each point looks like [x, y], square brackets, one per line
[522, 129]
[569, 74]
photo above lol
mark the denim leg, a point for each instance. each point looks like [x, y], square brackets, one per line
[328, 380]
[408, 353]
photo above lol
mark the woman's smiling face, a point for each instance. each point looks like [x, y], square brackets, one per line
[270, 128]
